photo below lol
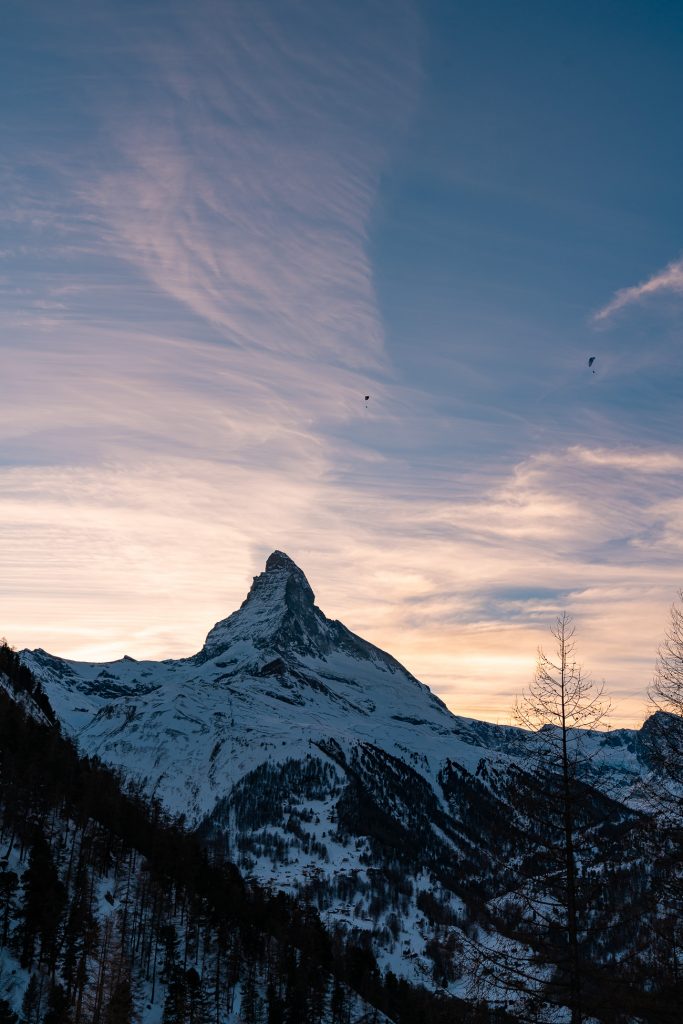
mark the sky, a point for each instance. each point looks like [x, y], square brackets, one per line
[223, 223]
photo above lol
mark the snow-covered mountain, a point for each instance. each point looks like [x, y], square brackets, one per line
[321, 764]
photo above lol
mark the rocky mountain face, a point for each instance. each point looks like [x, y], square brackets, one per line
[322, 767]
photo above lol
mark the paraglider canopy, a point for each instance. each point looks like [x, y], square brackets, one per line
[367, 397]
[591, 360]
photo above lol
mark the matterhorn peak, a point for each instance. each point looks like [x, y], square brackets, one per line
[282, 583]
[279, 561]
[278, 614]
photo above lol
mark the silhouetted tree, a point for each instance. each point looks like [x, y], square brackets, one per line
[58, 1010]
[662, 741]
[561, 703]
[120, 1008]
[665, 734]
[31, 1004]
[9, 884]
[546, 909]
[43, 901]
[7, 1014]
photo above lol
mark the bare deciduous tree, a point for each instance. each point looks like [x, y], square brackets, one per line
[665, 732]
[662, 744]
[561, 705]
[667, 686]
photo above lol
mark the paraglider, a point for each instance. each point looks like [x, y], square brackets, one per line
[591, 361]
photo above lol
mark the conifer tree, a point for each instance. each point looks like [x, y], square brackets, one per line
[275, 1005]
[120, 1008]
[43, 900]
[175, 1003]
[31, 1004]
[9, 884]
[58, 1010]
[81, 932]
[7, 1014]
[198, 1004]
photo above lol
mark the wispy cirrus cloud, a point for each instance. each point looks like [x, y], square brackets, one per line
[636, 461]
[244, 192]
[668, 280]
[230, 158]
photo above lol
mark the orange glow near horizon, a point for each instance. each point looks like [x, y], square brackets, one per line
[122, 562]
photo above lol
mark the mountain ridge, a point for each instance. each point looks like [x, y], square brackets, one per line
[317, 761]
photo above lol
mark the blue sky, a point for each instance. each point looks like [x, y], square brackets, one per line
[224, 223]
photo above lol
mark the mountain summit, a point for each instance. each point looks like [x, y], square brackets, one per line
[279, 614]
[277, 669]
[279, 618]
[279, 561]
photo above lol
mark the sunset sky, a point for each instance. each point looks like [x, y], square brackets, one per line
[224, 222]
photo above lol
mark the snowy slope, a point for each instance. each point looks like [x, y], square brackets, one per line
[272, 678]
[287, 733]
